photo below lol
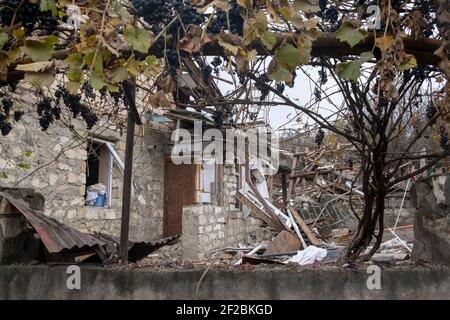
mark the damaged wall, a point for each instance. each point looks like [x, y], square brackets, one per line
[431, 198]
[207, 228]
[61, 178]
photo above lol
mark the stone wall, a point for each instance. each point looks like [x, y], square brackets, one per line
[431, 198]
[207, 228]
[43, 282]
[53, 162]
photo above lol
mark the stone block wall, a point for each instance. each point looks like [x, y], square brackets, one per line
[431, 198]
[53, 162]
[207, 228]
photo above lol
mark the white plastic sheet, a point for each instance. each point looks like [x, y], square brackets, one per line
[309, 255]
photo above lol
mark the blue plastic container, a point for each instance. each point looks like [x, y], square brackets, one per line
[100, 200]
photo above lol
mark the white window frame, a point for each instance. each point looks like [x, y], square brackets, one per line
[112, 157]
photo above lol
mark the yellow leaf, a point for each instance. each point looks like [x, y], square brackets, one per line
[384, 42]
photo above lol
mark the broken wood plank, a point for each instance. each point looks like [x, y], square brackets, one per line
[309, 234]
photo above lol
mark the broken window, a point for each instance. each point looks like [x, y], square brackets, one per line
[99, 170]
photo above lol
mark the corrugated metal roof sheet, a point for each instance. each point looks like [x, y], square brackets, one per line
[55, 235]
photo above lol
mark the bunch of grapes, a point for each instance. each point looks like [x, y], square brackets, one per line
[220, 21]
[217, 61]
[262, 86]
[242, 79]
[18, 115]
[218, 118]
[73, 103]
[5, 126]
[158, 13]
[44, 110]
[88, 90]
[323, 77]
[319, 137]
[29, 15]
[443, 140]
[206, 72]
[280, 87]
[323, 5]
[172, 61]
[7, 104]
[317, 93]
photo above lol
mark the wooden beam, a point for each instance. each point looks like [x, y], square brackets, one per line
[127, 176]
[309, 234]
[284, 189]
[326, 45]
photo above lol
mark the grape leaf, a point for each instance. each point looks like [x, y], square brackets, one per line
[3, 38]
[48, 5]
[408, 63]
[138, 39]
[40, 48]
[35, 66]
[306, 6]
[97, 81]
[352, 36]
[268, 39]
[39, 79]
[288, 56]
[352, 69]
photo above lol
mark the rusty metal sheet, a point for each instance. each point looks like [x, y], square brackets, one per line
[55, 235]
[65, 243]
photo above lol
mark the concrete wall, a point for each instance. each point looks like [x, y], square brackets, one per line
[62, 178]
[43, 282]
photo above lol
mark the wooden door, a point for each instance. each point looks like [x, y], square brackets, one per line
[179, 190]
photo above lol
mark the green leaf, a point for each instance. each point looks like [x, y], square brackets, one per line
[72, 86]
[138, 39]
[280, 74]
[3, 38]
[288, 57]
[19, 34]
[75, 61]
[97, 81]
[119, 74]
[40, 49]
[306, 6]
[408, 63]
[352, 36]
[28, 153]
[49, 5]
[268, 39]
[39, 79]
[351, 70]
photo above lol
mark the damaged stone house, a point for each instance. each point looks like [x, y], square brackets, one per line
[196, 201]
